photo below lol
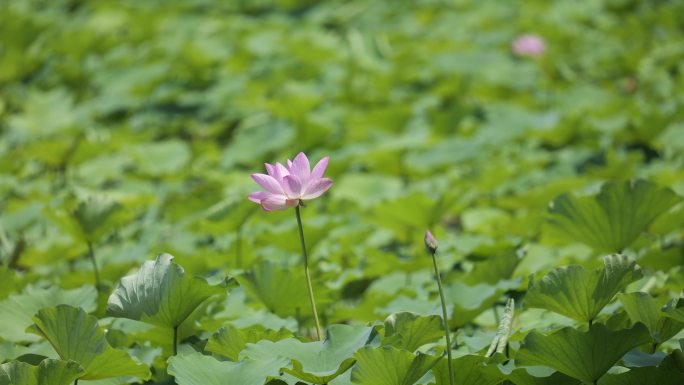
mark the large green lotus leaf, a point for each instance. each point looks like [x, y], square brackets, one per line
[388, 365]
[524, 377]
[160, 157]
[366, 190]
[95, 215]
[675, 310]
[76, 336]
[198, 369]
[469, 301]
[281, 289]
[494, 269]
[641, 307]
[579, 294]
[406, 215]
[16, 310]
[48, 372]
[409, 331]
[468, 370]
[585, 356]
[160, 294]
[614, 218]
[674, 360]
[643, 376]
[255, 139]
[229, 341]
[318, 362]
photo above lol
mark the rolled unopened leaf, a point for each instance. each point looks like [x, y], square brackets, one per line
[505, 327]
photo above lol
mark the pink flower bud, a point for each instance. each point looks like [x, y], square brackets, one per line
[430, 241]
[528, 45]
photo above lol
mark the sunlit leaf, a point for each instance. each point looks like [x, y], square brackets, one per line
[585, 356]
[410, 331]
[614, 218]
[160, 294]
[388, 365]
[317, 362]
[48, 372]
[198, 369]
[229, 341]
[580, 294]
[468, 370]
[76, 336]
[282, 290]
[16, 310]
[641, 307]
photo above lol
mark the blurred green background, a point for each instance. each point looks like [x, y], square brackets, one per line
[161, 110]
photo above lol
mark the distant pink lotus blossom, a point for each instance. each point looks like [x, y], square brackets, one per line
[528, 45]
[288, 186]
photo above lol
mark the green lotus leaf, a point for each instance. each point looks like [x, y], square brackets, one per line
[229, 341]
[388, 365]
[580, 294]
[524, 377]
[468, 370]
[95, 216]
[198, 369]
[470, 301]
[281, 289]
[585, 356]
[317, 362]
[641, 307]
[409, 331]
[76, 336]
[160, 157]
[160, 294]
[645, 375]
[494, 269]
[16, 310]
[48, 372]
[675, 310]
[614, 218]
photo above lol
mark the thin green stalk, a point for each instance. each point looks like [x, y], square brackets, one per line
[238, 247]
[175, 340]
[445, 319]
[306, 273]
[91, 255]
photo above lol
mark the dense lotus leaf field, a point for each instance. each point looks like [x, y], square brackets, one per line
[549, 169]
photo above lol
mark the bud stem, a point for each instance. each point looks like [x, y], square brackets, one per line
[91, 255]
[444, 316]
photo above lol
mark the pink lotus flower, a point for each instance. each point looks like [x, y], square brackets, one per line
[528, 45]
[288, 186]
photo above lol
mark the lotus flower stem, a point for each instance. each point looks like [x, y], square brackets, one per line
[175, 340]
[431, 244]
[306, 273]
[91, 255]
[238, 247]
